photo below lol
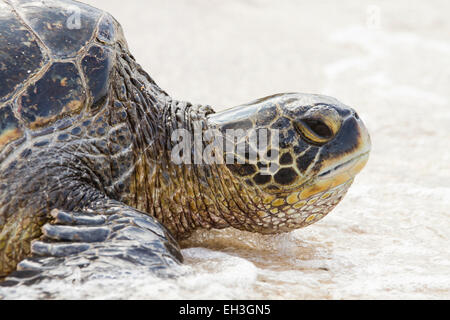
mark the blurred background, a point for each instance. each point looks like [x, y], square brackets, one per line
[390, 60]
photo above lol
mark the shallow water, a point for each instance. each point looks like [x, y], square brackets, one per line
[389, 238]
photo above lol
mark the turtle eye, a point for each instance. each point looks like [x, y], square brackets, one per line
[319, 128]
[315, 131]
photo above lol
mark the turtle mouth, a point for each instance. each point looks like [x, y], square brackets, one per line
[335, 176]
[352, 167]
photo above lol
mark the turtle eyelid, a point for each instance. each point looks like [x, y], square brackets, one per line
[319, 128]
[314, 131]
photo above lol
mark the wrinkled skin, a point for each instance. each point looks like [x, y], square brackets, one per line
[86, 144]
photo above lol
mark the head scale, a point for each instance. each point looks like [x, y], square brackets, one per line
[315, 148]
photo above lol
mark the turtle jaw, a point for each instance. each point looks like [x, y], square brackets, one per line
[315, 179]
[351, 167]
[349, 163]
[335, 177]
[327, 185]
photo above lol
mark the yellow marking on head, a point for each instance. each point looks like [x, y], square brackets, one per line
[315, 189]
[359, 165]
[274, 211]
[278, 202]
[293, 198]
[310, 218]
[324, 185]
[299, 204]
[326, 195]
[268, 199]
[262, 214]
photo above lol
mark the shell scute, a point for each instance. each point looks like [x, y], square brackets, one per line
[64, 26]
[20, 54]
[106, 30]
[58, 93]
[97, 66]
[55, 59]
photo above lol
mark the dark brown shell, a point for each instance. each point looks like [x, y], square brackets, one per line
[56, 58]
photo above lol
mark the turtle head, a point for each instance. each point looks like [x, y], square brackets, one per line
[295, 154]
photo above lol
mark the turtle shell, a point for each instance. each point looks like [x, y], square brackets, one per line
[56, 59]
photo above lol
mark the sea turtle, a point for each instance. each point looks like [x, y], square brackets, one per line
[92, 170]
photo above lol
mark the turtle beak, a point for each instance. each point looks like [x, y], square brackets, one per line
[364, 143]
[345, 158]
[349, 153]
[364, 147]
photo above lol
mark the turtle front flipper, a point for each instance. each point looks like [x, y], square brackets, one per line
[93, 242]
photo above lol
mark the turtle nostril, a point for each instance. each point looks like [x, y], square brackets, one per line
[319, 128]
[354, 113]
